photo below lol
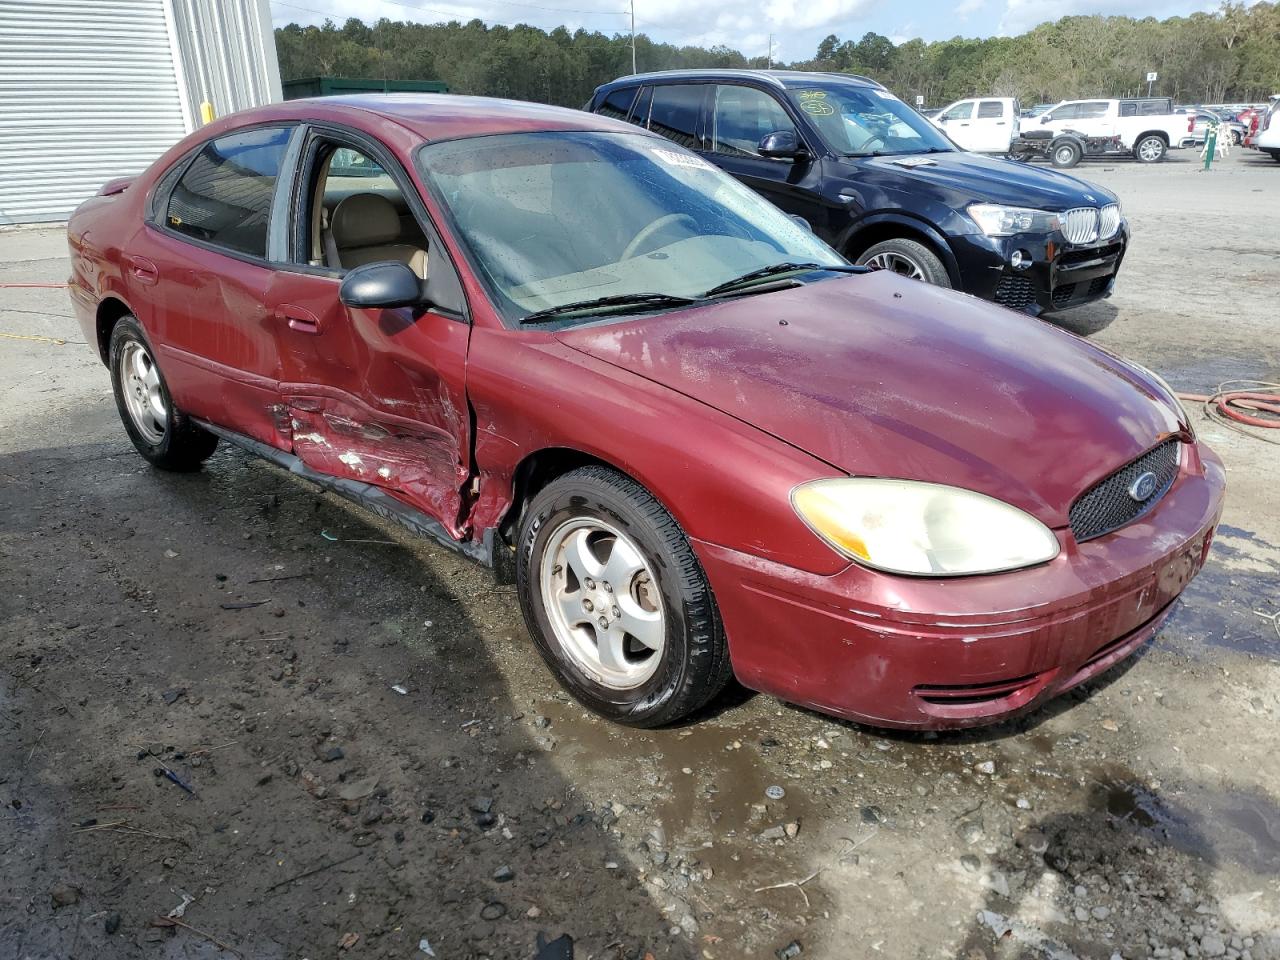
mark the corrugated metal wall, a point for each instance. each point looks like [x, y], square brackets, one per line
[229, 50]
[96, 89]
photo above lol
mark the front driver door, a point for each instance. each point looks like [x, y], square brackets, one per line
[740, 117]
[957, 120]
[376, 396]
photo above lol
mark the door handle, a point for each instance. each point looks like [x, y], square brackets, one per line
[999, 123]
[298, 318]
[143, 270]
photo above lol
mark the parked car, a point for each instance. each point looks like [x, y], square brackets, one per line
[1267, 137]
[705, 443]
[1199, 120]
[884, 186]
[1147, 126]
[984, 125]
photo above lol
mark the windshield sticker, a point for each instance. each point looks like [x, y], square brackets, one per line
[815, 102]
[674, 159]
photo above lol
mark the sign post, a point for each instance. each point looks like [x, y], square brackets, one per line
[1152, 77]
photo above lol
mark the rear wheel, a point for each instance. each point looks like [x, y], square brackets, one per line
[1237, 138]
[159, 431]
[1150, 149]
[907, 258]
[616, 601]
[1066, 154]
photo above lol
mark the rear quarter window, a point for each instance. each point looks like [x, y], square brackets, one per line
[224, 196]
[617, 104]
[674, 113]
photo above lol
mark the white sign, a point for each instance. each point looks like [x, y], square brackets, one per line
[919, 101]
[1152, 77]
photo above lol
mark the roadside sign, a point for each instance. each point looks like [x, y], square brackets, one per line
[919, 100]
[1152, 77]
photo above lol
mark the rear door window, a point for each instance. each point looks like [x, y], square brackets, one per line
[618, 103]
[674, 112]
[990, 109]
[742, 117]
[224, 197]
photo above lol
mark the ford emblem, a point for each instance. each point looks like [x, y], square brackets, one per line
[1143, 487]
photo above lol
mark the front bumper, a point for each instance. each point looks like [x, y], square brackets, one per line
[1061, 274]
[920, 653]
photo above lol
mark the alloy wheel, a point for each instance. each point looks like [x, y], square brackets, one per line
[603, 602]
[1150, 149]
[896, 263]
[143, 395]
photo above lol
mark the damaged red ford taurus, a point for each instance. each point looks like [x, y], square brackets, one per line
[700, 441]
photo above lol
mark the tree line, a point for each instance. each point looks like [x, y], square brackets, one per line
[1231, 55]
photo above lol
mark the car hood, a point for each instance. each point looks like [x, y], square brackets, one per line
[962, 178]
[881, 376]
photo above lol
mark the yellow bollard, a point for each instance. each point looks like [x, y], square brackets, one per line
[206, 112]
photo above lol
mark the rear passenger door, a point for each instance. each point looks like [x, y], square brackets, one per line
[206, 256]
[738, 118]
[992, 126]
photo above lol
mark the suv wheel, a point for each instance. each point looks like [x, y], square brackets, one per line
[159, 431]
[1150, 149]
[616, 601]
[907, 258]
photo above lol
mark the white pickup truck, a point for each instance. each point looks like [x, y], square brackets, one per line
[1146, 126]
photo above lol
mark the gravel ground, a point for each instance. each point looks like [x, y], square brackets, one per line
[372, 759]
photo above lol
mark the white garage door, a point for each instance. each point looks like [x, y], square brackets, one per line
[88, 92]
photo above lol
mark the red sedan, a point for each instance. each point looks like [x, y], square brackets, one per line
[700, 441]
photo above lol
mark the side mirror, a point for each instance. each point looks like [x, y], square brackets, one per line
[385, 284]
[781, 145]
[1044, 118]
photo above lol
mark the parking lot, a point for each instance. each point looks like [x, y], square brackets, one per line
[340, 741]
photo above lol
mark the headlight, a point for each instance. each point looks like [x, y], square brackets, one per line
[924, 529]
[997, 220]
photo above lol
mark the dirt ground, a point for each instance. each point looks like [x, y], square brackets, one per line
[373, 762]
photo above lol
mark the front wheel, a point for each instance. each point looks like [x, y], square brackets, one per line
[1150, 149]
[616, 601]
[159, 431]
[907, 258]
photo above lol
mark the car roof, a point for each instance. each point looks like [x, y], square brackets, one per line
[434, 116]
[783, 79]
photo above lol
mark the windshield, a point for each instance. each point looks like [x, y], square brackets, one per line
[558, 218]
[864, 121]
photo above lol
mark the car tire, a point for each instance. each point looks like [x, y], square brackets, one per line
[907, 258]
[1150, 149]
[1066, 155]
[594, 523]
[1237, 138]
[160, 432]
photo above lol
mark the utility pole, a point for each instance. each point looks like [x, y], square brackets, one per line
[633, 38]
[769, 59]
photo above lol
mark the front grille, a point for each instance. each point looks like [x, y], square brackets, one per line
[1063, 294]
[1080, 225]
[1109, 221]
[1107, 505]
[1015, 292]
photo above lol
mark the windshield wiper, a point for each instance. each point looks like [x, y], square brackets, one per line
[607, 303]
[747, 279]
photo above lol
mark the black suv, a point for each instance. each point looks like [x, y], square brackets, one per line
[884, 186]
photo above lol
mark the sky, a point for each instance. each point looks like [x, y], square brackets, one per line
[797, 26]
